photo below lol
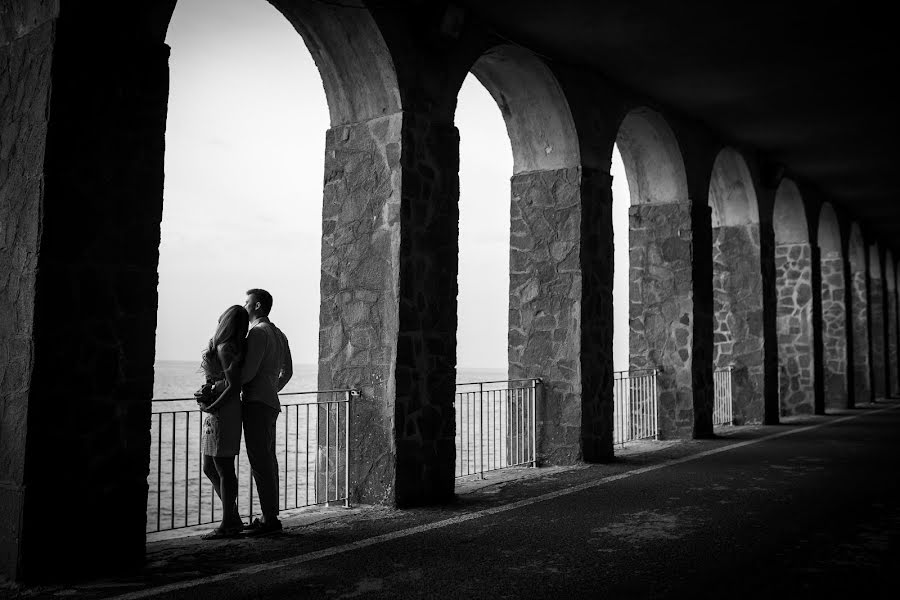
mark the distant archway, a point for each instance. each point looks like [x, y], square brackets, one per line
[793, 280]
[859, 322]
[545, 252]
[661, 318]
[834, 329]
[737, 284]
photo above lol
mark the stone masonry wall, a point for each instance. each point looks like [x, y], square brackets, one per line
[739, 339]
[358, 315]
[597, 263]
[95, 302]
[893, 354]
[25, 65]
[793, 268]
[876, 305]
[426, 344]
[834, 332]
[860, 331]
[549, 259]
[661, 312]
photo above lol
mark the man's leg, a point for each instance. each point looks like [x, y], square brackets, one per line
[259, 437]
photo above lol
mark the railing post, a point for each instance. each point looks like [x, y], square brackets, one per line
[481, 430]
[535, 384]
[655, 406]
[350, 395]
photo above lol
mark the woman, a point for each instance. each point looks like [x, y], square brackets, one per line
[221, 363]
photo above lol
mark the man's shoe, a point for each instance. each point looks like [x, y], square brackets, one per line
[260, 528]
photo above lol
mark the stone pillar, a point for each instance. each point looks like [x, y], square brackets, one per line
[668, 322]
[388, 312]
[891, 304]
[862, 390]
[738, 333]
[560, 307]
[793, 268]
[834, 332]
[876, 305]
[817, 342]
[24, 99]
[79, 331]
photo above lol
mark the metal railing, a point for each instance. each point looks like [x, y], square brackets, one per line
[635, 405]
[722, 406]
[312, 445]
[496, 426]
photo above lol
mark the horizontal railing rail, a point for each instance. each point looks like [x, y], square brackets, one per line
[722, 392]
[312, 445]
[496, 425]
[635, 405]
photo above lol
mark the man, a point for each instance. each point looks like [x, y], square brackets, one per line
[267, 369]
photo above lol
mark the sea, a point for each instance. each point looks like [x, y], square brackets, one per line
[177, 379]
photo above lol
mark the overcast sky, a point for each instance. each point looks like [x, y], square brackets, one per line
[243, 193]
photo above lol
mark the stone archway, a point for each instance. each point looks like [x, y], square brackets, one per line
[549, 295]
[662, 317]
[834, 329]
[859, 321]
[877, 326]
[737, 284]
[793, 280]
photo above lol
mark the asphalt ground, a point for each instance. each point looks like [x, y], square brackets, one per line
[807, 508]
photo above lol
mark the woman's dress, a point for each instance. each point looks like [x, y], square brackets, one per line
[222, 425]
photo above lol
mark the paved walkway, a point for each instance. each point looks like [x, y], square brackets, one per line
[809, 507]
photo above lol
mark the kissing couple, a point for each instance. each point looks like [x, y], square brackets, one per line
[246, 364]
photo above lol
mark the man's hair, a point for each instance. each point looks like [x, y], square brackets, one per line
[264, 298]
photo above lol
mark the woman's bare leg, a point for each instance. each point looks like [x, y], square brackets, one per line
[228, 490]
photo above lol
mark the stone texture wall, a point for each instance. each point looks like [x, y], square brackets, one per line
[834, 332]
[95, 302]
[358, 316]
[388, 312]
[893, 353]
[738, 335]
[661, 312]
[25, 65]
[862, 390]
[549, 260]
[877, 331]
[793, 268]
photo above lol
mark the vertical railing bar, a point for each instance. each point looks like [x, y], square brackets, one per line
[172, 516]
[159, 472]
[308, 438]
[347, 450]
[327, 452]
[534, 393]
[200, 471]
[297, 456]
[187, 468]
[481, 428]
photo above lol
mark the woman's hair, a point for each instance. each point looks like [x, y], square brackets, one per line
[232, 329]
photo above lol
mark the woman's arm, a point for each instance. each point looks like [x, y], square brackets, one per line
[232, 373]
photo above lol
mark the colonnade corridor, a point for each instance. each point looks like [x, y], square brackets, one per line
[803, 509]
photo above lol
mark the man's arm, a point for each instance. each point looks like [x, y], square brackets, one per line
[287, 364]
[256, 347]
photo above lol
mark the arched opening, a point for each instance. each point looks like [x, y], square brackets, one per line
[544, 242]
[737, 285]
[660, 269]
[249, 112]
[793, 280]
[877, 326]
[859, 320]
[485, 166]
[834, 310]
[891, 287]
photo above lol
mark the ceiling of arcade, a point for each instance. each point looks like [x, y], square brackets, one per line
[805, 84]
